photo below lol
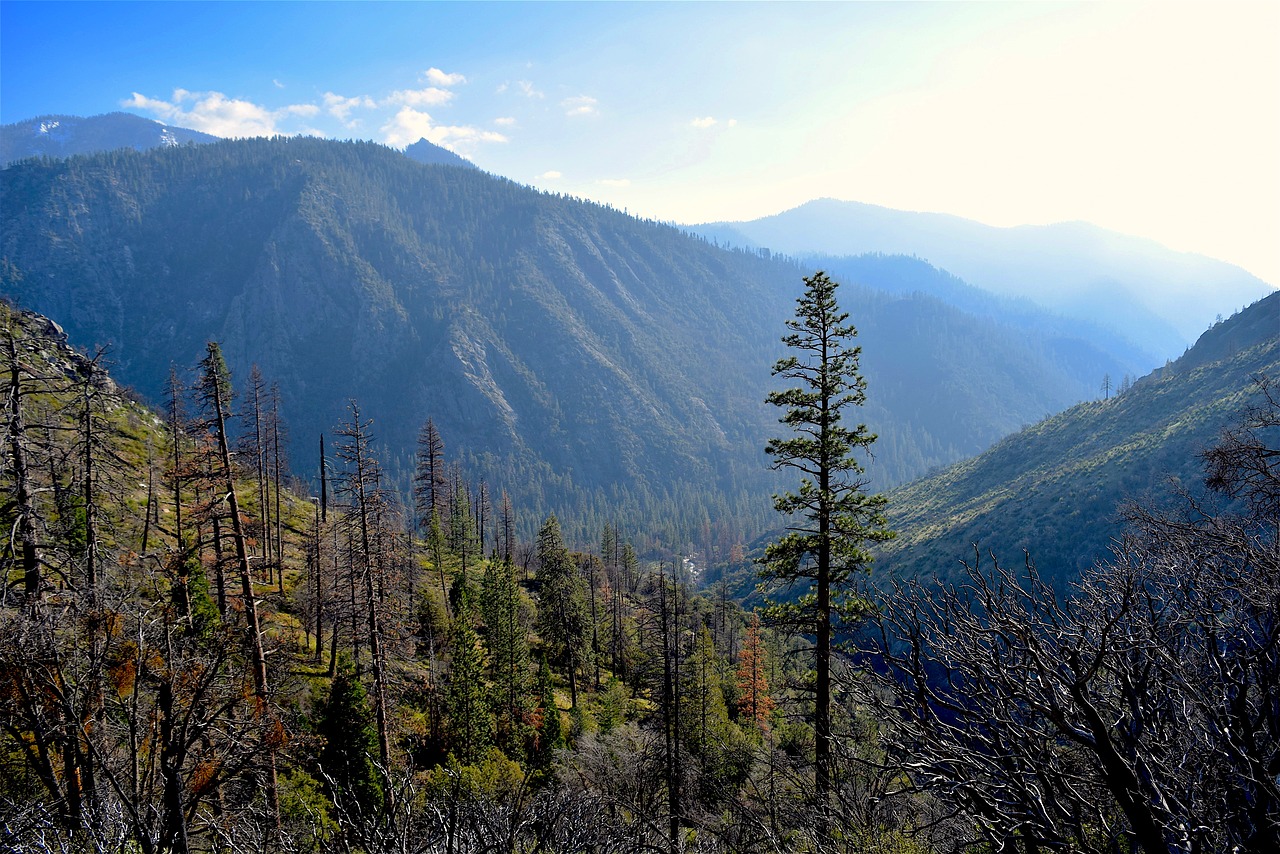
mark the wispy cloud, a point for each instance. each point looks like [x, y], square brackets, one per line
[525, 87]
[711, 121]
[410, 125]
[340, 107]
[549, 175]
[505, 121]
[215, 113]
[579, 105]
[614, 182]
[436, 77]
[432, 96]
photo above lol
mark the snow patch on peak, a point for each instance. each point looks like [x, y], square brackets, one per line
[46, 127]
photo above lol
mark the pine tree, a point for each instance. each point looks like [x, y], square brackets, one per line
[550, 728]
[347, 759]
[754, 702]
[361, 482]
[508, 644]
[430, 482]
[562, 614]
[704, 717]
[215, 388]
[831, 518]
[470, 727]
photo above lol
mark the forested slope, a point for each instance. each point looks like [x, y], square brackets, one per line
[1055, 488]
[590, 362]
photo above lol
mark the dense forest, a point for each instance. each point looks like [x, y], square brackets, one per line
[604, 368]
[201, 652]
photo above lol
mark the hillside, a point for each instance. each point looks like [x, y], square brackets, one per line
[568, 352]
[1158, 298]
[65, 136]
[1053, 489]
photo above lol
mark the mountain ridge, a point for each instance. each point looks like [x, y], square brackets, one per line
[57, 135]
[1159, 297]
[560, 346]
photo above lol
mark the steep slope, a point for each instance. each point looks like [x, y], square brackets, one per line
[64, 136]
[1161, 299]
[570, 351]
[1054, 489]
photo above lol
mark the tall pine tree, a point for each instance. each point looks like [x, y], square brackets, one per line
[831, 520]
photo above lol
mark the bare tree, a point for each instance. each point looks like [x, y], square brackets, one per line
[1142, 710]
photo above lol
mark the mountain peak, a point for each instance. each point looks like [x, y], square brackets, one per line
[423, 151]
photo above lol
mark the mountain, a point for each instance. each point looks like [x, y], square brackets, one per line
[584, 360]
[1054, 489]
[64, 136]
[1159, 298]
[430, 153]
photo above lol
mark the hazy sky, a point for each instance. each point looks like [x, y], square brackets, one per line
[1160, 119]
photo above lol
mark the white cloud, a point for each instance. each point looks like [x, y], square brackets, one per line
[437, 77]
[704, 122]
[215, 113]
[277, 84]
[614, 182]
[505, 121]
[410, 125]
[526, 88]
[549, 175]
[432, 96]
[579, 105]
[340, 107]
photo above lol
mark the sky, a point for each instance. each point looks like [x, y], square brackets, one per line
[1160, 120]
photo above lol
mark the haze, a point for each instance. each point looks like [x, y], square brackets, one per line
[1159, 120]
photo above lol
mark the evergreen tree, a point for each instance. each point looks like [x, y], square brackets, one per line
[704, 717]
[508, 651]
[563, 619]
[347, 759]
[470, 727]
[831, 520]
[550, 728]
[437, 548]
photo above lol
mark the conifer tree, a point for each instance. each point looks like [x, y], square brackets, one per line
[430, 482]
[831, 520]
[754, 701]
[550, 730]
[362, 484]
[508, 649]
[215, 388]
[705, 719]
[347, 759]
[470, 727]
[562, 614]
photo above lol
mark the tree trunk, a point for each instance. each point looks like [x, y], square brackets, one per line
[254, 630]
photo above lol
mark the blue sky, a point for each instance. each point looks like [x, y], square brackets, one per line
[1161, 119]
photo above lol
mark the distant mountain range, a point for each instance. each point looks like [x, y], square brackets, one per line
[1158, 298]
[584, 360]
[1054, 489]
[64, 136]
